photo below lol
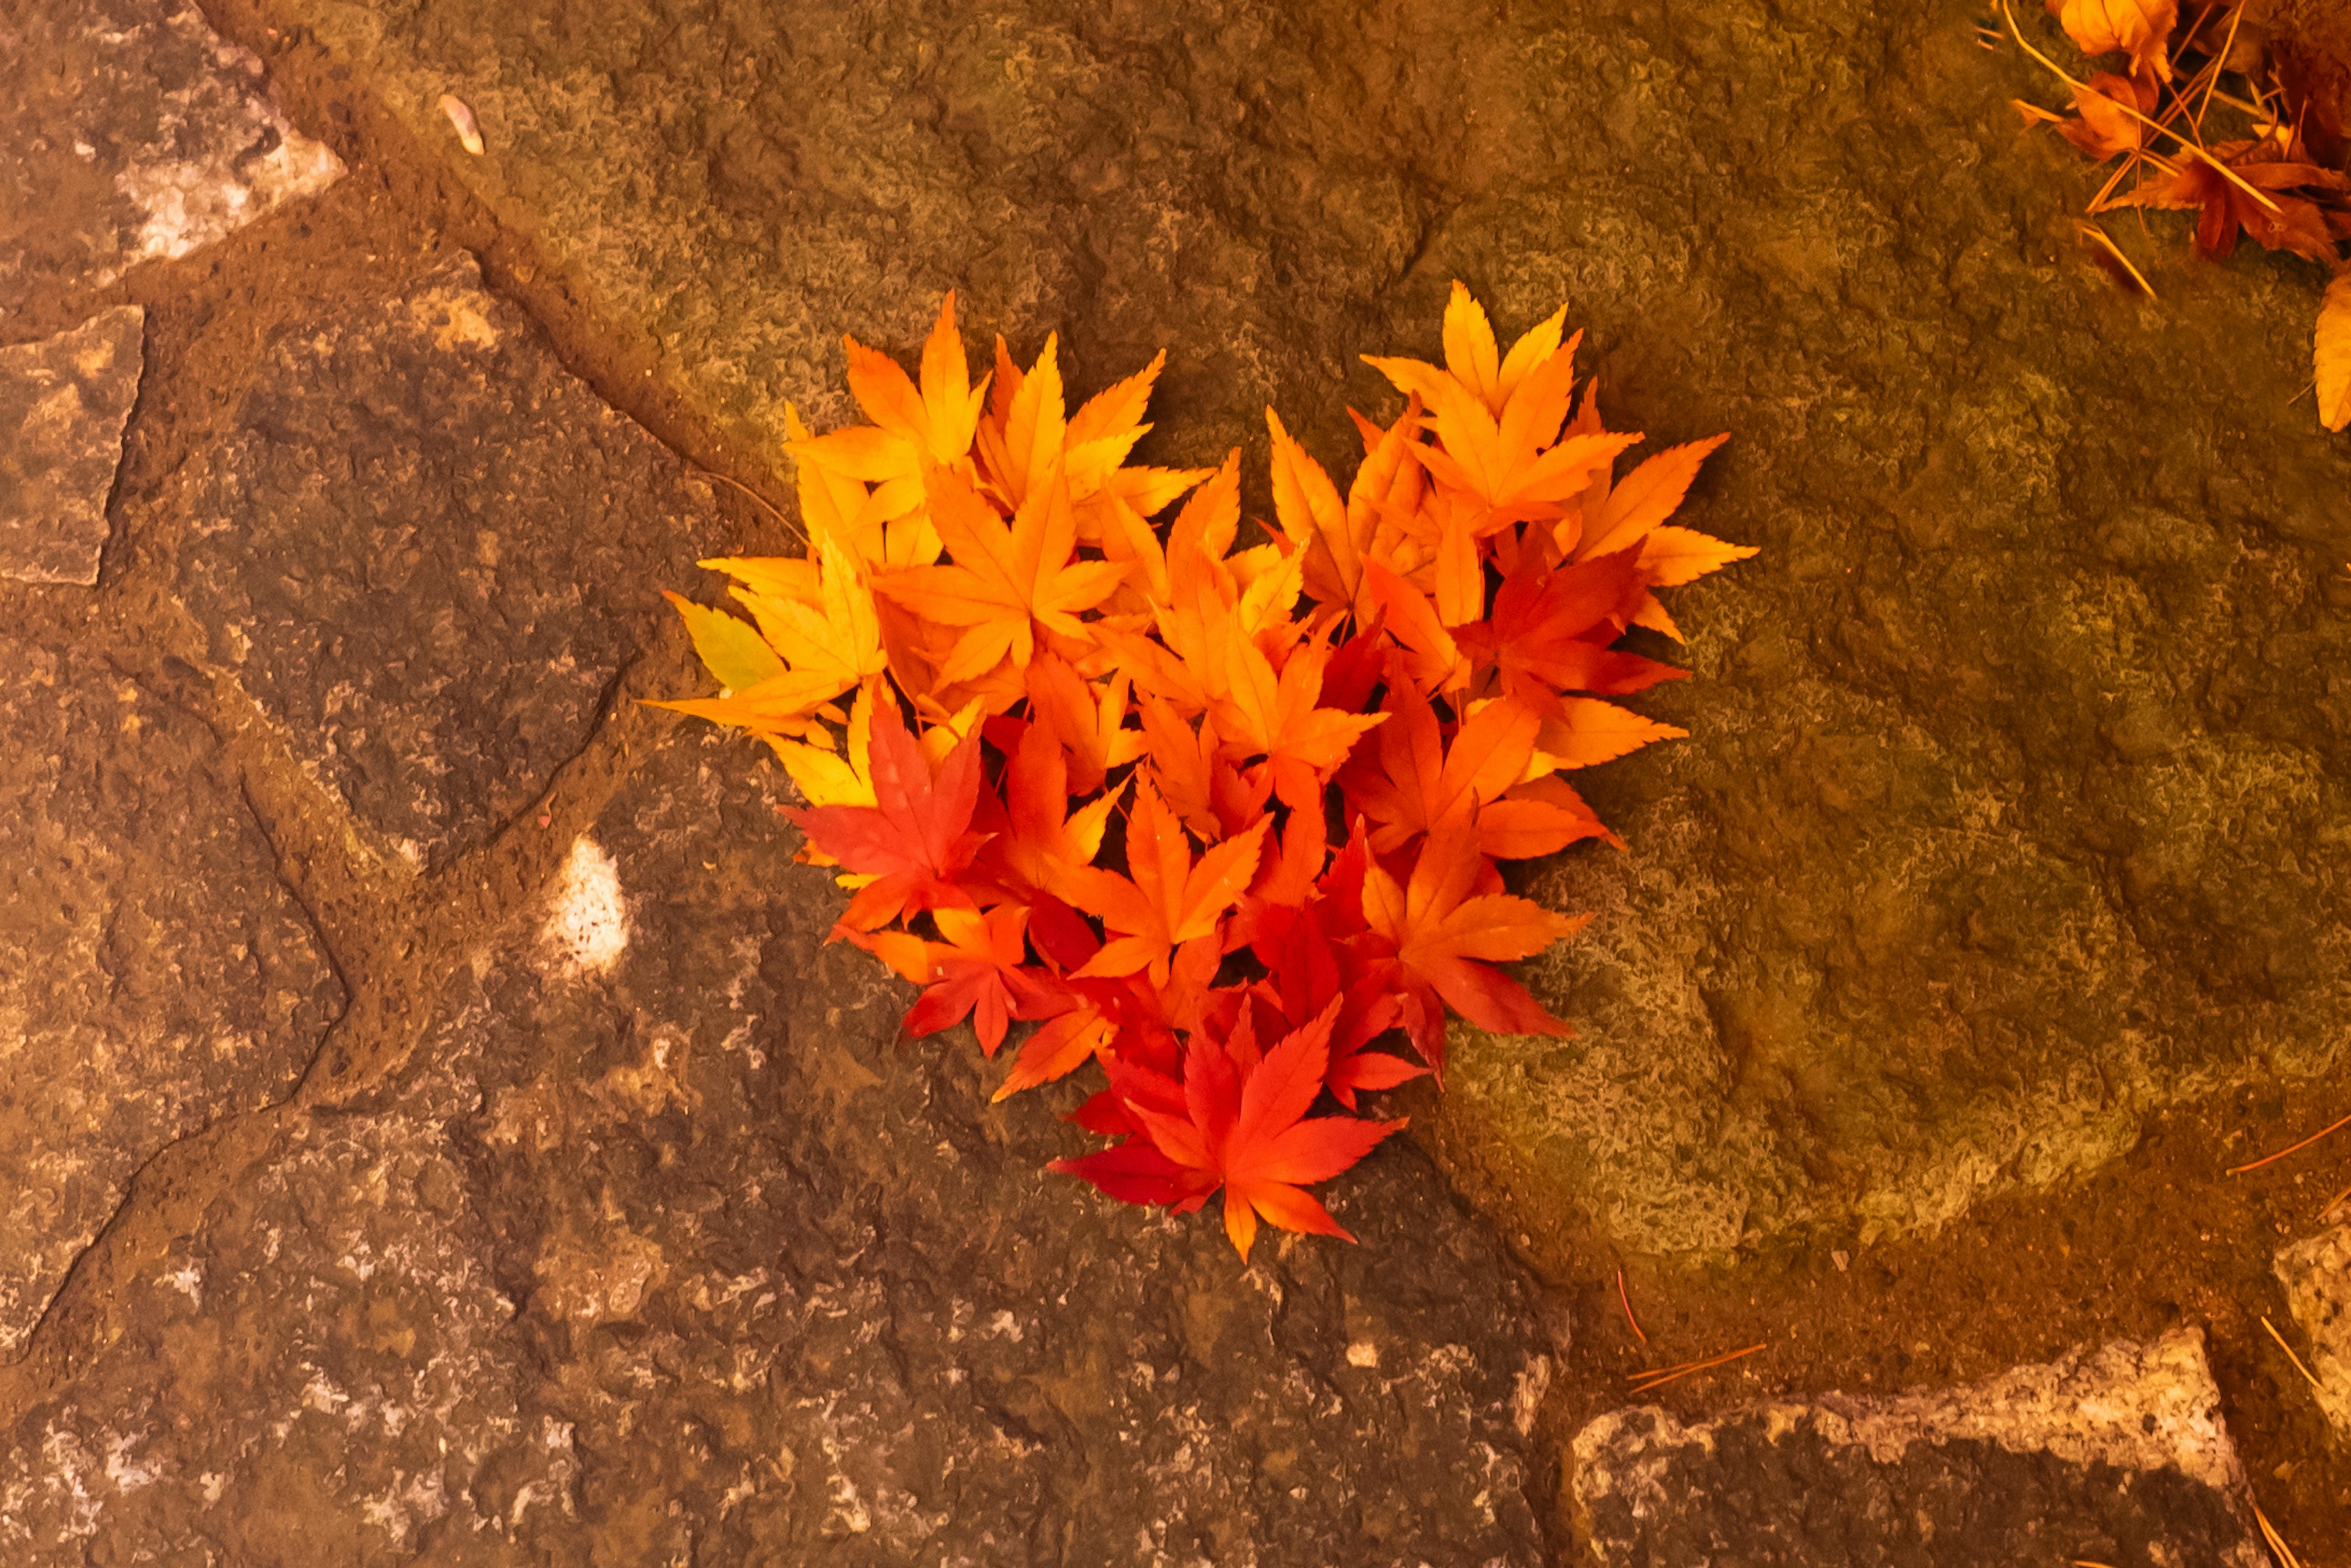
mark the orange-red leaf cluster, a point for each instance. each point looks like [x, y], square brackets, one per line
[1222, 818]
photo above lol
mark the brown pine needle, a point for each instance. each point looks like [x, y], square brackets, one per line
[2218, 62]
[2086, 1562]
[1646, 1382]
[2294, 1149]
[2286, 1559]
[2185, 145]
[2307, 1375]
[2332, 1205]
[2091, 231]
[1628, 1308]
[761, 501]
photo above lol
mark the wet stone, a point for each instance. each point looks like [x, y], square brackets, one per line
[2112, 1455]
[428, 551]
[684, 1255]
[1999, 829]
[172, 980]
[2316, 1273]
[63, 402]
[130, 131]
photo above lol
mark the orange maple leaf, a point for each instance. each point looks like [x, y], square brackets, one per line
[1169, 900]
[1007, 583]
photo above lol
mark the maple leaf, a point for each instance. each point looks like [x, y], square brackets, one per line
[1277, 717]
[1088, 721]
[1417, 784]
[937, 421]
[1645, 498]
[1170, 899]
[1550, 631]
[913, 840]
[2268, 212]
[1331, 536]
[1445, 935]
[1006, 583]
[815, 651]
[975, 973]
[1242, 1126]
[2107, 126]
[2139, 29]
[2331, 355]
[1044, 841]
[1589, 731]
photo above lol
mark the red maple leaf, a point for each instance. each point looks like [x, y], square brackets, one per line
[1236, 1121]
[913, 840]
[1447, 932]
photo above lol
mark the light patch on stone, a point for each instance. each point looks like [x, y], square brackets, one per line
[2316, 1273]
[587, 929]
[63, 404]
[184, 204]
[1362, 1352]
[454, 317]
[2137, 1408]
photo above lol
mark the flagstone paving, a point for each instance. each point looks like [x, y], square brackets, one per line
[160, 976]
[426, 549]
[63, 400]
[130, 130]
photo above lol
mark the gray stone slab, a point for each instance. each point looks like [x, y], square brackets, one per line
[160, 976]
[129, 132]
[2316, 1273]
[671, 1249]
[2113, 1455]
[427, 551]
[63, 404]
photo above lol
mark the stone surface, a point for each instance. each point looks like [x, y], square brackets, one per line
[160, 976]
[427, 551]
[2116, 1455]
[2316, 1273]
[63, 403]
[2013, 808]
[129, 132]
[670, 1250]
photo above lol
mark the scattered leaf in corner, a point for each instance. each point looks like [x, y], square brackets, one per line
[2332, 359]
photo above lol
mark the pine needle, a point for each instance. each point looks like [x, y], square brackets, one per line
[2292, 1149]
[2286, 1559]
[1657, 1377]
[1627, 1299]
[2093, 231]
[2307, 1375]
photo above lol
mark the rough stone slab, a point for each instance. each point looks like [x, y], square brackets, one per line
[63, 404]
[160, 976]
[427, 549]
[1999, 827]
[129, 132]
[2113, 1455]
[2316, 1273]
[687, 1256]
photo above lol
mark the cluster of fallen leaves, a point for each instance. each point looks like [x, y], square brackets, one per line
[1221, 819]
[2279, 182]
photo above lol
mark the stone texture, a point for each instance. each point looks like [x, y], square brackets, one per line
[160, 976]
[428, 551]
[2316, 1273]
[670, 1250]
[2011, 810]
[2116, 1455]
[129, 132]
[63, 404]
